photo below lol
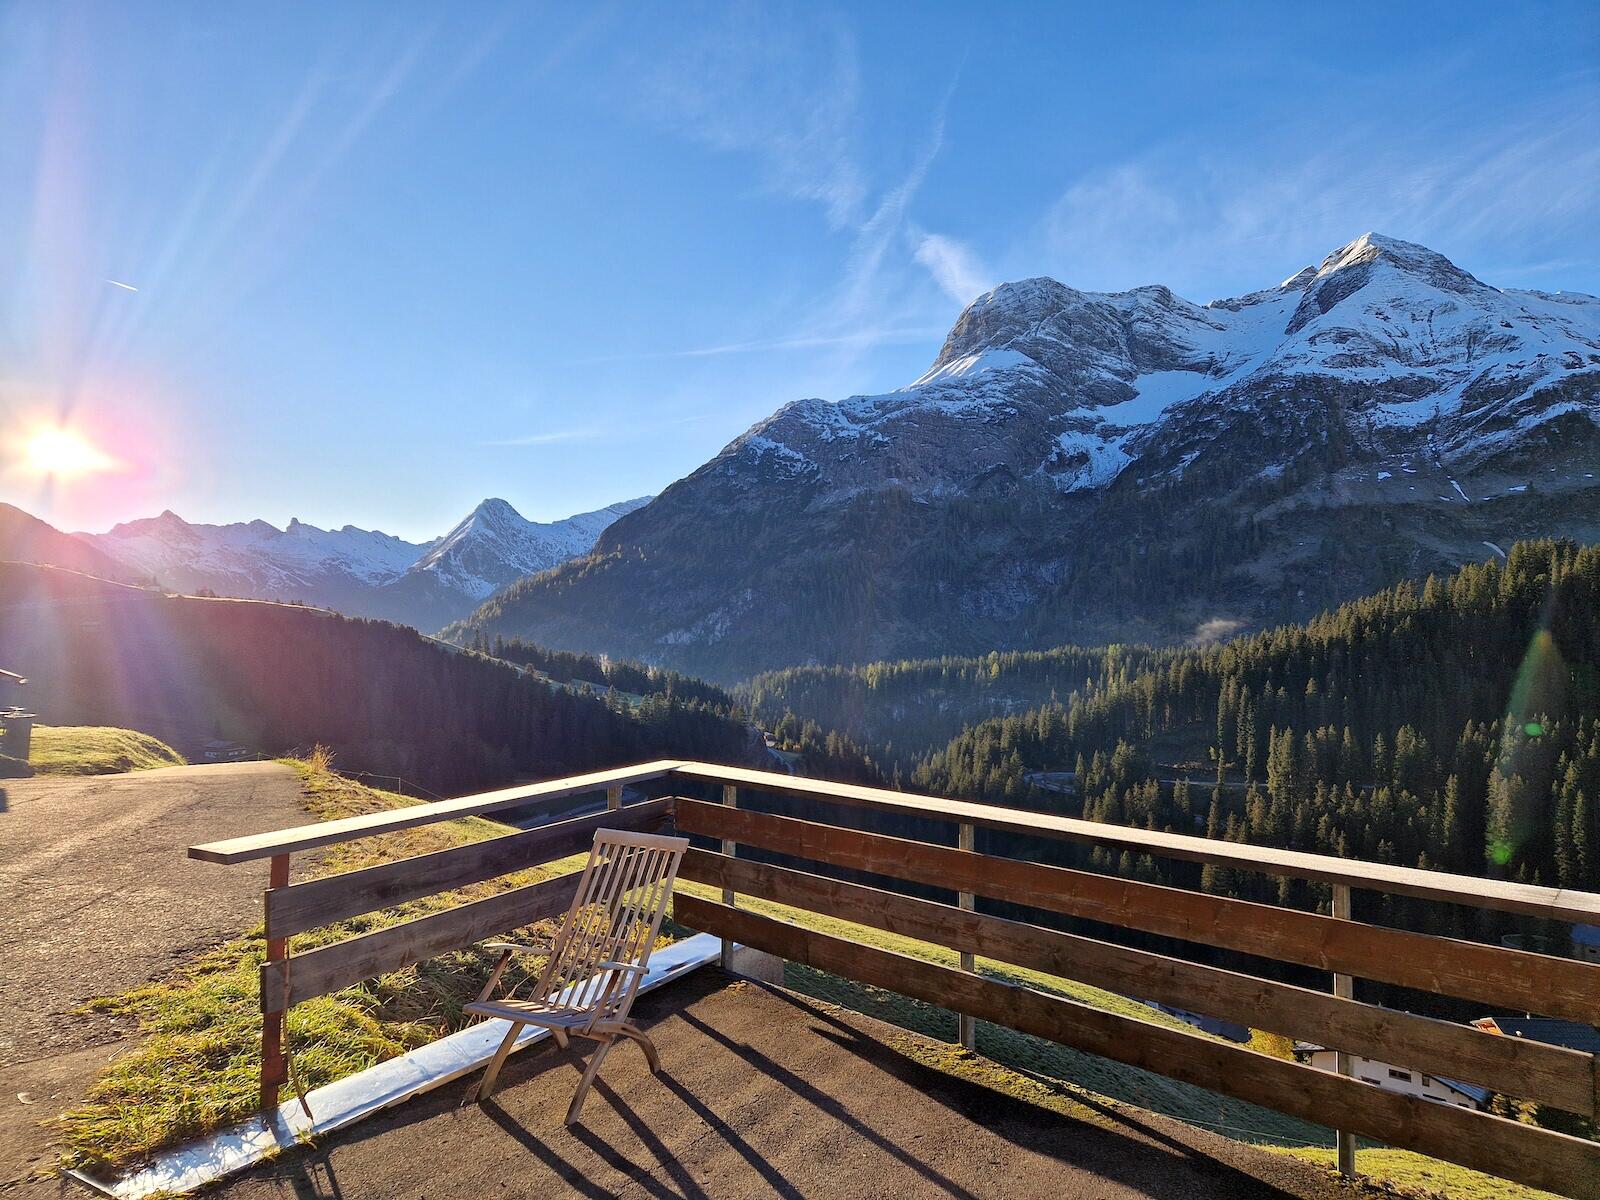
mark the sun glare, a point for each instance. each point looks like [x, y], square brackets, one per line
[64, 454]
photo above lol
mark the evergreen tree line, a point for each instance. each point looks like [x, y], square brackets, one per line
[907, 709]
[279, 677]
[1455, 725]
[567, 666]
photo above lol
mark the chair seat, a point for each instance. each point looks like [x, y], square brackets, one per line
[531, 1012]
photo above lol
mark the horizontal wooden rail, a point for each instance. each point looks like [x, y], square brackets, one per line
[303, 906]
[339, 964]
[1515, 1066]
[1501, 1147]
[1514, 979]
[328, 833]
[1553, 903]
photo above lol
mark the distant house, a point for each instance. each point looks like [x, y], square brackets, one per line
[1586, 942]
[218, 750]
[1571, 1034]
[1391, 1078]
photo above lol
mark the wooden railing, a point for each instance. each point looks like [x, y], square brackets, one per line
[1490, 975]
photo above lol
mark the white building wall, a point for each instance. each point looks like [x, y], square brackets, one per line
[1392, 1078]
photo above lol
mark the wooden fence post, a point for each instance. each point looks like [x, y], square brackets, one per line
[966, 1027]
[274, 1068]
[730, 797]
[1344, 987]
[614, 797]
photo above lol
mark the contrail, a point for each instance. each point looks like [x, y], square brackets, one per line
[118, 283]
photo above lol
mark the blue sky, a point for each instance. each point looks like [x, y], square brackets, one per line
[394, 258]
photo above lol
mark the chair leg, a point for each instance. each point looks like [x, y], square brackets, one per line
[593, 1069]
[492, 1071]
[561, 1037]
[645, 1044]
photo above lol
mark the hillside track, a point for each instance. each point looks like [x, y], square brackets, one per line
[96, 897]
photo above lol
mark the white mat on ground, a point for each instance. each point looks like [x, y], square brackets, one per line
[339, 1104]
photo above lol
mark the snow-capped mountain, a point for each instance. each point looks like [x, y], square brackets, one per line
[495, 545]
[1080, 465]
[358, 571]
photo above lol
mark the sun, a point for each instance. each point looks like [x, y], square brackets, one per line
[64, 454]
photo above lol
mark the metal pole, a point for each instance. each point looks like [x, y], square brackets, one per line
[730, 798]
[274, 1069]
[1345, 987]
[966, 1027]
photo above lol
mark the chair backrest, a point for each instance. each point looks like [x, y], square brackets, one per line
[615, 916]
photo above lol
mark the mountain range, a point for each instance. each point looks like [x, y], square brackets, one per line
[1082, 466]
[356, 571]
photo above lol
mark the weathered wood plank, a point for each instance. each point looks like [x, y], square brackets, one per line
[1515, 979]
[1559, 904]
[1499, 1147]
[329, 968]
[1532, 1070]
[319, 902]
[326, 833]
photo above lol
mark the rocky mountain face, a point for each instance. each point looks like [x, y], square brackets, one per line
[1081, 466]
[356, 571]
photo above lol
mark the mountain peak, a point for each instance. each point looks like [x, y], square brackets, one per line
[1408, 257]
[496, 509]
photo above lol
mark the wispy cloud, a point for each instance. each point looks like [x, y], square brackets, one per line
[953, 265]
[875, 336]
[1517, 192]
[630, 431]
[789, 95]
[785, 92]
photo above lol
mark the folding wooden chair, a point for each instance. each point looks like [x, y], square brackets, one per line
[597, 959]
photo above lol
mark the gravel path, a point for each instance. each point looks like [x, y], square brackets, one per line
[96, 897]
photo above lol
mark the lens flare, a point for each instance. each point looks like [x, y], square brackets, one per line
[64, 454]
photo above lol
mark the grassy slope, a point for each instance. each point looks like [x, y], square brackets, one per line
[97, 750]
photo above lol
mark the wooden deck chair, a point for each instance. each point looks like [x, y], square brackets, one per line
[597, 959]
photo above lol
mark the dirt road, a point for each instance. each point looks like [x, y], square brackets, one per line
[96, 897]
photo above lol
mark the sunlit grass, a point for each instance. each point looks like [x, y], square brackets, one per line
[197, 1066]
[1418, 1175]
[97, 750]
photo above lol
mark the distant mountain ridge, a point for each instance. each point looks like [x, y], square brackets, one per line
[356, 571]
[1086, 467]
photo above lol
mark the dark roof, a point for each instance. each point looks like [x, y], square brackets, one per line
[1570, 1034]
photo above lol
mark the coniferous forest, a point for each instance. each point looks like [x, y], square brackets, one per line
[1451, 725]
[280, 677]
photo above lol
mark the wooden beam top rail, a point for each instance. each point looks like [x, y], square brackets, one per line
[328, 833]
[1561, 904]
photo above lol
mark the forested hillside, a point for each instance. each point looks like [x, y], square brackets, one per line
[276, 677]
[1453, 724]
[906, 710]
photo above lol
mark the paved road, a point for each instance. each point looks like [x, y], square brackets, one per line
[767, 1094]
[96, 897]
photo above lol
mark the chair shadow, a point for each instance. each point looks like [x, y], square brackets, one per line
[825, 1103]
[1111, 1153]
